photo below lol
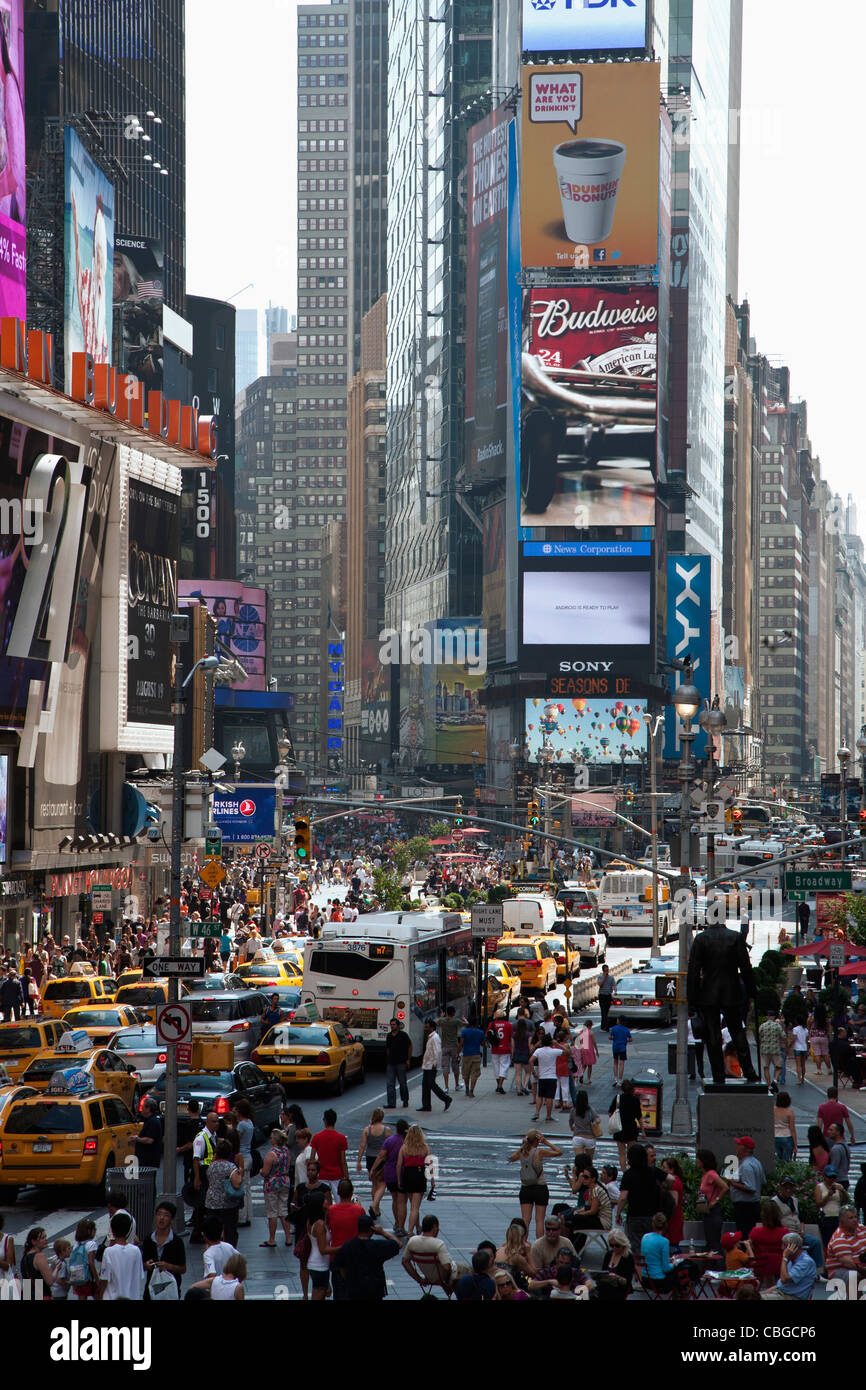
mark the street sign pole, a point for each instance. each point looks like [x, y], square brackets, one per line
[170, 1116]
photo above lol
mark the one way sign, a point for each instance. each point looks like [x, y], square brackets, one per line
[174, 965]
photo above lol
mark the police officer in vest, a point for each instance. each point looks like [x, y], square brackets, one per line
[203, 1150]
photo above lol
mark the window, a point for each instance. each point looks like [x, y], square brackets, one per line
[220, 337]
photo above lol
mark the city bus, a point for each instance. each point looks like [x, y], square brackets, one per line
[750, 855]
[625, 903]
[752, 816]
[404, 965]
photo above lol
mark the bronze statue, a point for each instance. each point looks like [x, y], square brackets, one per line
[719, 970]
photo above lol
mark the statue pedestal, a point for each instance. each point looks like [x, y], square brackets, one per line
[725, 1113]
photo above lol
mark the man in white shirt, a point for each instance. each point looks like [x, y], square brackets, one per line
[216, 1251]
[544, 1061]
[428, 1243]
[430, 1064]
[122, 1273]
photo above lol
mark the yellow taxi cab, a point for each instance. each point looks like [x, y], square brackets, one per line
[321, 1051]
[58, 996]
[144, 997]
[566, 951]
[128, 977]
[106, 1068]
[530, 957]
[11, 1090]
[507, 980]
[101, 1022]
[289, 955]
[69, 1134]
[20, 1042]
[263, 971]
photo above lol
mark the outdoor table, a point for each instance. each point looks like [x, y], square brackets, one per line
[702, 1288]
[721, 1276]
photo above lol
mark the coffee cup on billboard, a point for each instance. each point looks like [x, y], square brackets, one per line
[589, 174]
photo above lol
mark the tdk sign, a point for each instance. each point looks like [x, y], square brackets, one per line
[576, 26]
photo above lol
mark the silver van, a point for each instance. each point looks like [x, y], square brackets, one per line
[233, 1016]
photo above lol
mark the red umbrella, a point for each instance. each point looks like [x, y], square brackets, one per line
[856, 968]
[473, 830]
[445, 841]
[822, 948]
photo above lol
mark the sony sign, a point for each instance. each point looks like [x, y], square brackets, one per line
[578, 26]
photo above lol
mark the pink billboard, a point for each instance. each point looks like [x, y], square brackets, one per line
[241, 616]
[13, 174]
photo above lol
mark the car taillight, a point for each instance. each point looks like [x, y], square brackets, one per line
[591, 941]
[400, 1014]
[90, 1146]
[254, 1056]
[162, 1056]
[290, 1013]
[647, 1003]
[141, 1105]
[222, 1106]
[322, 1059]
[239, 1027]
[617, 1001]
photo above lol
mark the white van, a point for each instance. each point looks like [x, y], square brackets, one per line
[530, 914]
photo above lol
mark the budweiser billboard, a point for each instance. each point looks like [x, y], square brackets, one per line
[589, 407]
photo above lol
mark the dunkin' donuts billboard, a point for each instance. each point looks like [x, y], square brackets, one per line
[590, 165]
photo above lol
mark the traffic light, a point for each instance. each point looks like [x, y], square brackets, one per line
[303, 847]
[737, 817]
[629, 796]
[458, 816]
[533, 814]
[862, 819]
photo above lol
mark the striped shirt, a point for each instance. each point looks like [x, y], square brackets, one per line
[842, 1244]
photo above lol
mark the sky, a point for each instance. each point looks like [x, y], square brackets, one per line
[801, 203]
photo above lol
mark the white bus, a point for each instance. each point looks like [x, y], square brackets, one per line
[750, 855]
[625, 902]
[404, 965]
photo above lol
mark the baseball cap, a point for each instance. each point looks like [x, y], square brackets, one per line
[731, 1239]
[747, 1142]
[829, 1170]
[365, 1223]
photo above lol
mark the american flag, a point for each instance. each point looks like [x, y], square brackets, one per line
[148, 289]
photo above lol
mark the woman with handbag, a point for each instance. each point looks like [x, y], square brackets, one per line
[588, 1051]
[625, 1120]
[708, 1204]
[224, 1195]
[585, 1125]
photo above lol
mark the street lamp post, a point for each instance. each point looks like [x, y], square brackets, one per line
[653, 723]
[713, 722]
[687, 702]
[209, 663]
[239, 752]
[844, 755]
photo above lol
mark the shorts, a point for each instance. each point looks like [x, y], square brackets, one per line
[471, 1069]
[774, 1060]
[277, 1203]
[536, 1194]
[547, 1089]
[501, 1064]
[820, 1046]
[620, 1056]
[414, 1180]
[319, 1278]
[801, 1052]
[449, 1062]
[588, 1143]
[392, 1187]
[370, 1159]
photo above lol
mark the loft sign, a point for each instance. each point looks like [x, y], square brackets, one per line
[31, 352]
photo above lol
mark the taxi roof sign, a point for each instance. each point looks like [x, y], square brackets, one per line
[76, 1040]
[70, 1081]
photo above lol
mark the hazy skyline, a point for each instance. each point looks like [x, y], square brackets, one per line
[799, 204]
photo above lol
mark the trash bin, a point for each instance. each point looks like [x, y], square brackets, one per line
[648, 1087]
[138, 1194]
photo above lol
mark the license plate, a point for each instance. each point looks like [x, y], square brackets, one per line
[291, 1061]
[42, 1148]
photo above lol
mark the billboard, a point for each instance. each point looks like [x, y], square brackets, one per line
[575, 26]
[13, 171]
[586, 615]
[688, 631]
[585, 731]
[595, 808]
[89, 257]
[241, 618]
[455, 718]
[246, 814]
[138, 289]
[153, 540]
[487, 297]
[494, 577]
[375, 704]
[590, 166]
[589, 407]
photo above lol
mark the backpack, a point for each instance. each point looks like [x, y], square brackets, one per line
[78, 1265]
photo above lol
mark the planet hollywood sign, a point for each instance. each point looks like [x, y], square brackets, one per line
[71, 884]
[30, 352]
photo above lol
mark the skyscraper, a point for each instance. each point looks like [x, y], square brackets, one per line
[436, 65]
[246, 347]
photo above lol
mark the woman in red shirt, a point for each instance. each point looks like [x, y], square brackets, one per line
[671, 1166]
[765, 1244]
